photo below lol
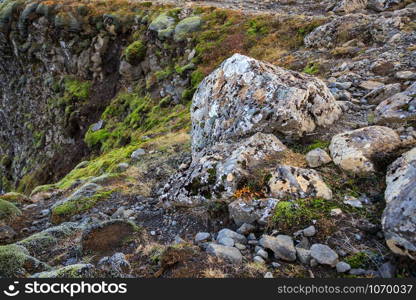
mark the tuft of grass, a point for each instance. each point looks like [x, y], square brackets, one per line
[311, 68]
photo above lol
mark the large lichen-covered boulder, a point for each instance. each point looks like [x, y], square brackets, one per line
[358, 151]
[186, 26]
[287, 181]
[399, 217]
[397, 109]
[244, 96]
[221, 171]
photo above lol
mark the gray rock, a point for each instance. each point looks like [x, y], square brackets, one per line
[398, 109]
[309, 231]
[251, 237]
[317, 157]
[240, 246]
[398, 220]
[227, 233]
[304, 255]
[246, 229]
[262, 253]
[281, 245]
[357, 151]
[268, 275]
[381, 5]
[357, 272]
[202, 237]
[406, 75]
[253, 210]
[295, 182]
[230, 254]
[226, 241]
[178, 240]
[352, 201]
[115, 266]
[219, 172]
[121, 167]
[349, 6]
[259, 260]
[387, 270]
[343, 267]
[378, 95]
[262, 101]
[137, 153]
[324, 255]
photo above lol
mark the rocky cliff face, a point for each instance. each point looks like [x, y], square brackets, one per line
[49, 60]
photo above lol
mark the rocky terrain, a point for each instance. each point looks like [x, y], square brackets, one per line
[207, 139]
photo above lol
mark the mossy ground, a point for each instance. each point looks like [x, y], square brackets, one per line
[73, 207]
[8, 211]
[12, 259]
[14, 197]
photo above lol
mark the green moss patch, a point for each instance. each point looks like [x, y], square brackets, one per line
[135, 52]
[15, 198]
[76, 206]
[297, 214]
[12, 260]
[8, 211]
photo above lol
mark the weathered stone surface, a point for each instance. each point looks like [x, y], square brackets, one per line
[186, 26]
[295, 182]
[380, 94]
[357, 151]
[218, 173]
[324, 255]
[348, 6]
[253, 210]
[381, 5]
[202, 237]
[343, 267]
[399, 108]
[229, 254]
[244, 96]
[303, 255]
[227, 233]
[317, 158]
[328, 35]
[115, 265]
[281, 245]
[399, 217]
